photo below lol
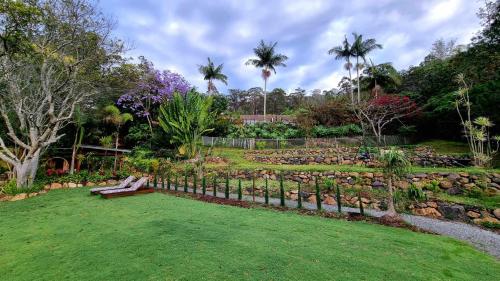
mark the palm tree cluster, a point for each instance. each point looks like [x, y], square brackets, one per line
[359, 49]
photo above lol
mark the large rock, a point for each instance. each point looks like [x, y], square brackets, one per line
[446, 184]
[329, 201]
[452, 212]
[56, 185]
[496, 212]
[455, 191]
[19, 196]
[72, 185]
[312, 199]
[427, 212]
[473, 215]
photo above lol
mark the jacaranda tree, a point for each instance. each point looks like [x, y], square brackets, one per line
[186, 118]
[153, 88]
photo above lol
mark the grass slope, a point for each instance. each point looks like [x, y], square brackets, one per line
[68, 235]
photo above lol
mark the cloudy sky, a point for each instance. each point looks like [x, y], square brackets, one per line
[180, 34]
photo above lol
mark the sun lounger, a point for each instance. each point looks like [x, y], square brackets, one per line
[124, 184]
[137, 188]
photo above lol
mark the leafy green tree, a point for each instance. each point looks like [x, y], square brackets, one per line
[268, 60]
[113, 116]
[395, 165]
[186, 119]
[211, 73]
[360, 49]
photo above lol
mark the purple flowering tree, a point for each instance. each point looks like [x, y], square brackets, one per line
[153, 88]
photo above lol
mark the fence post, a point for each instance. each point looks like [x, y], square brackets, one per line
[204, 185]
[162, 182]
[195, 179]
[253, 188]
[339, 200]
[185, 182]
[266, 192]
[168, 181]
[318, 195]
[215, 186]
[226, 193]
[176, 183]
[282, 192]
[299, 198]
[240, 195]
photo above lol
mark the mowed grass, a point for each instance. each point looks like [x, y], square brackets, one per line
[69, 235]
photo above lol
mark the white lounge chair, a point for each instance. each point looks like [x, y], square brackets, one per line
[124, 184]
[136, 188]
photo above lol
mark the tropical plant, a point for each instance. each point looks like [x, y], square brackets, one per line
[211, 73]
[482, 145]
[360, 49]
[186, 119]
[345, 52]
[395, 165]
[113, 116]
[268, 60]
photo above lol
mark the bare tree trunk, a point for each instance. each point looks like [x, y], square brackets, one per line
[73, 153]
[357, 74]
[116, 151]
[26, 171]
[265, 97]
[390, 201]
[350, 80]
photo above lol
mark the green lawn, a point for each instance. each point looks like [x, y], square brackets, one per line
[69, 235]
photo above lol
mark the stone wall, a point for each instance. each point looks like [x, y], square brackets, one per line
[420, 156]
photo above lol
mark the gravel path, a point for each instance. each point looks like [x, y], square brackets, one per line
[483, 240]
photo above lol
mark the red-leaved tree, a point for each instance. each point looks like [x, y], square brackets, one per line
[379, 111]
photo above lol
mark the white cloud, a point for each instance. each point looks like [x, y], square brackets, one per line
[438, 12]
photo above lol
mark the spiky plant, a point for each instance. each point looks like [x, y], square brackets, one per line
[395, 165]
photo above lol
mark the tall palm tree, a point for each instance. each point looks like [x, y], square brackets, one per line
[113, 116]
[267, 59]
[360, 49]
[211, 73]
[344, 52]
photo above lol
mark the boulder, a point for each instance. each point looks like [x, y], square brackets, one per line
[329, 201]
[432, 204]
[312, 199]
[19, 196]
[487, 219]
[496, 212]
[446, 184]
[89, 183]
[72, 185]
[427, 212]
[453, 177]
[455, 191]
[452, 212]
[377, 184]
[473, 215]
[56, 185]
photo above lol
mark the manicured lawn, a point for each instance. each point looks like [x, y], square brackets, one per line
[68, 235]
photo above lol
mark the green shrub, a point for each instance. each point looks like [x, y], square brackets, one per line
[340, 131]
[415, 193]
[10, 188]
[475, 192]
[260, 145]
[433, 186]
[490, 224]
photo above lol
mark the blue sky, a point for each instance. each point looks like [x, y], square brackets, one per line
[180, 34]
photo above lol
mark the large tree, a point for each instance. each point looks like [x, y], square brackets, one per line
[344, 52]
[360, 49]
[210, 73]
[52, 52]
[268, 60]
